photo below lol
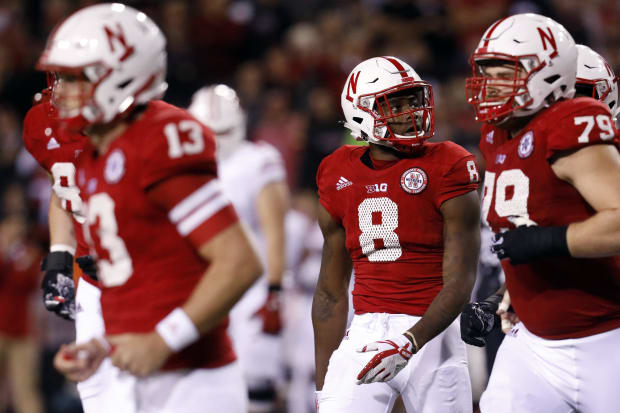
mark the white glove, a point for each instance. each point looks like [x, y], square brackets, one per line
[392, 357]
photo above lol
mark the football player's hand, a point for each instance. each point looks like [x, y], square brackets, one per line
[79, 361]
[392, 356]
[509, 318]
[138, 354]
[478, 320]
[525, 244]
[270, 313]
[88, 265]
[58, 287]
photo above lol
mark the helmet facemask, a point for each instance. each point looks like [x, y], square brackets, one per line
[403, 115]
[499, 85]
[598, 89]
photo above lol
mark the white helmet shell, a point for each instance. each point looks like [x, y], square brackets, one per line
[119, 49]
[375, 79]
[595, 74]
[538, 44]
[218, 107]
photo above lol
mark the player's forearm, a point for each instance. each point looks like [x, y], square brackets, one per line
[444, 309]
[222, 285]
[598, 236]
[60, 225]
[272, 204]
[276, 260]
[329, 318]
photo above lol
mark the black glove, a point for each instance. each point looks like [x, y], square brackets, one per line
[88, 265]
[525, 244]
[58, 287]
[479, 319]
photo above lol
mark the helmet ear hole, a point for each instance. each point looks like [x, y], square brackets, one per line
[122, 85]
[552, 79]
[357, 119]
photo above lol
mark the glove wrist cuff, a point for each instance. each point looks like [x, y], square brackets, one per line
[58, 261]
[413, 341]
[177, 330]
[494, 299]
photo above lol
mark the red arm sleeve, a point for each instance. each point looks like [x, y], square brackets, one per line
[587, 123]
[195, 204]
[461, 178]
[326, 186]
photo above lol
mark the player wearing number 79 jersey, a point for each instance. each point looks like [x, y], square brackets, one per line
[552, 196]
[405, 215]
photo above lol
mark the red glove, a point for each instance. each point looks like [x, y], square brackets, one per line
[270, 312]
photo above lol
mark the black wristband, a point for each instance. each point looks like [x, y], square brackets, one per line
[275, 288]
[495, 299]
[57, 261]
[555, 237]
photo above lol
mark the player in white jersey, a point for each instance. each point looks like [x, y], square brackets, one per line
[254, 179]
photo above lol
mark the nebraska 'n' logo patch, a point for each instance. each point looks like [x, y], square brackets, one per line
[414, 180]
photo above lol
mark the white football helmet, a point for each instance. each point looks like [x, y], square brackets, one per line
[538, 47]
[596, 79]
[118, 49]
[368, 102]
[218, 107]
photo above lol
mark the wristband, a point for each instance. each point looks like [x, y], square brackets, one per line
[411, 338]
[177, 330]
[275, 288]
[495, 299]
[62, 248]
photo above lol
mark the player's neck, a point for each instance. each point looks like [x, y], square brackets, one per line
[101, 136]
[514, 126]
[383, 153]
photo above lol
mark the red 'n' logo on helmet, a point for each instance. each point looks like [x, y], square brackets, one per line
[119, 36]
[352, 86]
[548, 37]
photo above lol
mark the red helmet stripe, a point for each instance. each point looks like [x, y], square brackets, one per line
[399, 67]
[491, 30]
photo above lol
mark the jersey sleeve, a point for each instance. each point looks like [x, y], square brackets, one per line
[195, 204]
[269, 167]
[461, 178]
[327, 186]
[588, 123]
[33, 134]
[177, 145]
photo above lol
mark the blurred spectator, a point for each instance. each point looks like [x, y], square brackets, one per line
[283, 128]
[19, 280]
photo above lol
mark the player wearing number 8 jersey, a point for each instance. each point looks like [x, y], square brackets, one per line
[552, 196]
[171, 256]
[403, 213]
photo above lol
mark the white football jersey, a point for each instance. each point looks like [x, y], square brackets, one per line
[243, 174]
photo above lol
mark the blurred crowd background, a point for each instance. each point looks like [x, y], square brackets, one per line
[288, 60]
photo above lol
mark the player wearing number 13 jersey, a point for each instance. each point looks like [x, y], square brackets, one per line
[404, 215]
[171, 256]
[552, 196]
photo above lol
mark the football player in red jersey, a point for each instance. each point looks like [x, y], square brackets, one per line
[404, 214]
[171, 256]
[56, 150]
[552, 197]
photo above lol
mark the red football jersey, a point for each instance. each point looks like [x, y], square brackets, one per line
[393, 224]
[146, 254]
[57, 152]
[556, 298]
